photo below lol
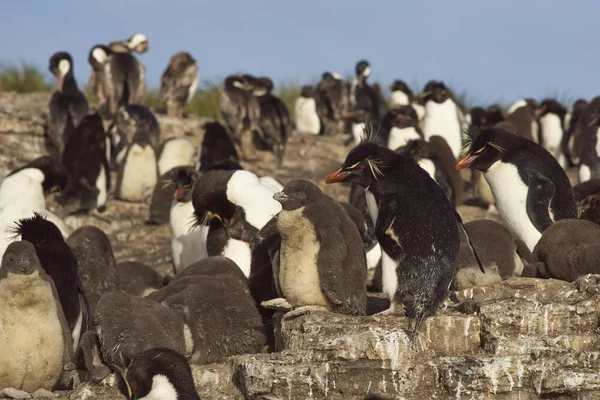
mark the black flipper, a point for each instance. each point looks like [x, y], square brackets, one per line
[539, 195]
[462, 225]
[88, 310]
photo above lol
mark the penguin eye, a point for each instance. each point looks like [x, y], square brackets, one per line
[134, 385]
[360, 168]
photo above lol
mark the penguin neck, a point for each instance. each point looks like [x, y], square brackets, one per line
[69, 84]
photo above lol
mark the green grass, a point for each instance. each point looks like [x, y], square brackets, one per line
[25, 78]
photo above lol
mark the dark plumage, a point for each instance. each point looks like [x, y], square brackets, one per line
[137, 279]
[68, 105]
[398, 126]
[55, 175]
[160, 204]
[332, 103]
[319, 244]
[137, 374]
[178, 83]
[587, 195]
[520, 122]
[216, 146]
[96, 262]
[568, 144]
[85, 160]
[415, 225]
[365, 98]
[212, 296]
[274, 124]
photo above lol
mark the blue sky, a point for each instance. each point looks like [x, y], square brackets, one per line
[497, 50]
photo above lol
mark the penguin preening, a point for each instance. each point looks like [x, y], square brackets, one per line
[118, 78]
[216, 146]
[137, 43]
[274, 125]
[158, 373]
[188, 242]
[442, 116]
[321, 260]
[531, 189]
[401, 125]
[23, 193]
[34, 340]
[551, 119]
[178, 83]
[68, 105]
[406, 205]
[59, 262]
[240, 111]
[138, 170]
[305, 112]
[332, 103]
[175, 152]
[85, 160]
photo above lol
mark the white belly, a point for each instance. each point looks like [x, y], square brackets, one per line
[139, 174]
[552, 134]
[307, 119]
[399, 98]
[442, 120]
[373, 256]
[389, 278]
[187, 246]
[239, 252]
[372, 205]
[400, 137]
[584, 173]
[428, 166]
[101, 186]
[511, 200]
[357, 132]
[176, 153]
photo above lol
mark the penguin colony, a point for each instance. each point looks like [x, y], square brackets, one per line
[246, 247]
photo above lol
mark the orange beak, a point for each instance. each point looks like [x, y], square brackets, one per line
[336, 176]
[349, 114]
[465, 161]
[399, 117]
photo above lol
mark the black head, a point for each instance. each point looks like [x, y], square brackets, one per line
[436, 91]
[99, 55]
[298, 193]
[20, 258]
[478, 116]
[365, 164]
[55, 175]
[495, 114]
[151, 369]
[37, 230]
[307, 92]
[402, 117]
[61, 64]
[487, 146]
[551, 106]
[580, 104]
[92, 124]
[183, 178]
[234, 81]
[262, 86]
[225, 165]
[418, 149]
[401, 86]
[363, 69]
[249, 82]
[209, 198]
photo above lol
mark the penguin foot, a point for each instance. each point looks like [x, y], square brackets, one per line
[303, 310]
[43, 394]
[12, 393]
[277, 304]
[492, 209]
[394, 310]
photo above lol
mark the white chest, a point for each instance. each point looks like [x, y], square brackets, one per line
[372, 205]
[510, 193]
[239, 252]
[307, 119]
[400, 137]
[428, 166]
[552, 133]
[442, 120]
[399, 98]
[101, 186]
[357, 132]
[162, 389]
[177, 152]
[139, 173]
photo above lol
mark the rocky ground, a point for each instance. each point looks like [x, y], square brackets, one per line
[521, 339]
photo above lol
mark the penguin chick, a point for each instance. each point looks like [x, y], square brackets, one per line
[158, 373]
[305, 111]
[85, 160]
[137, 279]
[188, 242]
[24, 192]
[400, 194]
[216, 146]
[59, 262]
[34, 340]
[531, 189]
[322, 262]
[498, 252]
[274, 125]
[178, 83]
[138, 170]
[213, 298]
[175, 152]
[587, 195]
[96, 262]
[68, 105]
[521, 120]
[569, 249]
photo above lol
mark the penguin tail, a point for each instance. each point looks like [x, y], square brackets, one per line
[471, 247]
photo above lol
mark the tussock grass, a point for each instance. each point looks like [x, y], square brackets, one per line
[25, 78]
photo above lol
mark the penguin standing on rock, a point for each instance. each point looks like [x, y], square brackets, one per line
[60, 264]
[274, 125]
[24, 191]
[68, 105]
[34, 340]
[442, 116]
[85, 160]
[307, 117]
[531, 189]
[321, 260]
[178, 83]
[415, 225]
[158, 373]
[138, 170]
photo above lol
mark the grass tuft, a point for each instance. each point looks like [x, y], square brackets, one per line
[25, 78]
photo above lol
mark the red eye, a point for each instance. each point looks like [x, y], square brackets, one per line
[134, 385]
[360, 169]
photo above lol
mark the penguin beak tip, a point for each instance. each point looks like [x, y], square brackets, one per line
[336, 176]
[465, 162]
